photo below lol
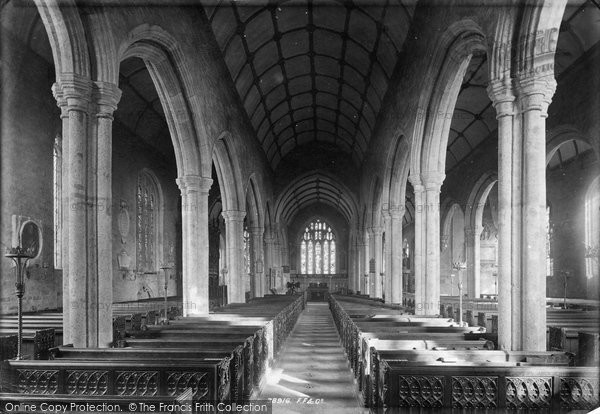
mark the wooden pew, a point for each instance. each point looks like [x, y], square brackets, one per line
[555, 388]
[241, 358]
[36, 343]
[209, 380]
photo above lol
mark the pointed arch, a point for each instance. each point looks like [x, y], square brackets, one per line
[450, 62]
[67, 38]
[226, 162]
[166, 65]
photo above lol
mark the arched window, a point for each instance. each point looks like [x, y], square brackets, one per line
[592, 229]
[147, 222]
[58, 219]
[317, 249]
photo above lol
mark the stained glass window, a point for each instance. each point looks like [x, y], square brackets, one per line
[146, 222]
[311, 251]
[317, 249]
[303, 257]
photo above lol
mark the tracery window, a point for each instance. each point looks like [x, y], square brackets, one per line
[318, 249]
[57, 184]
[147, 202]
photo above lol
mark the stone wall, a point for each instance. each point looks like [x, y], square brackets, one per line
[130, 157]
[29, 122]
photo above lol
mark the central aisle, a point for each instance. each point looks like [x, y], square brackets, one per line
[312, 372]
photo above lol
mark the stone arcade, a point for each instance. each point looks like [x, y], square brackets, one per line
[428, 168]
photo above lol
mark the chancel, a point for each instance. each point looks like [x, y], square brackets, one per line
[322, 205]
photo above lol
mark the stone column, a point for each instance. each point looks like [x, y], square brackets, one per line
[433, 182]
[234, 232]
[378, 256]
[66, 208]
[420, 245]
[86, 111]
[194, 226]
[269, 261]
[370, 256]
[363, 269]
[501, 94]
[77, 95]
[535, 95]
[353, 265]
[256, 243]
[396, 242]
[473, 251]
[106, 96]
[387, 253]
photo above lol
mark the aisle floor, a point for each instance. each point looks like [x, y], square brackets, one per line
[312, 373]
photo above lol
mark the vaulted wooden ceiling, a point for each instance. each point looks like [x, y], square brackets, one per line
[309, 72]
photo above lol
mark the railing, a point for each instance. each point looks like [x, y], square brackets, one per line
[337, 282]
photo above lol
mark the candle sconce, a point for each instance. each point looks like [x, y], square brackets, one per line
[20, 257]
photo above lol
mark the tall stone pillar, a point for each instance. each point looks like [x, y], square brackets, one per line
[106, 96]
[396, 242]
[353, 265]
[66, 208]
[269, 261]
[377, 254]
[234, 233]
[501, 94]
[256, 243]
[432, 182]
[86, 110]
[370, 268]
[194, 229]
[363, 274]
[427, 242]
[420, 245]
[521, 110]
[535, 95]
[387, 253]
[473, 242]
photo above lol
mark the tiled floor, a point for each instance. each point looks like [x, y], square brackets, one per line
[312, 373]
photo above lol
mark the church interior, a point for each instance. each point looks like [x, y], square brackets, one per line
[327, 205]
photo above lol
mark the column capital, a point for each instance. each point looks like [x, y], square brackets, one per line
[536, 92]
[397, 211]
[73, 91]
[432, 180]
[375, 231]
[415, 180]
[256, 231]
[106, 97]
[194, 183]
[233, 215]
[501, 93]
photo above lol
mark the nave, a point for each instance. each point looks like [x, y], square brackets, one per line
[344, 354]
[167, 166]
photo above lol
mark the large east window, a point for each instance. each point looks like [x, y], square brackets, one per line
[317, 249]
